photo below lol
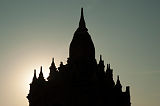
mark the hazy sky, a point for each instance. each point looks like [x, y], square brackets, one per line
[125, 32]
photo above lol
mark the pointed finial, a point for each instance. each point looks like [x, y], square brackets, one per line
[41, 75]
[118, 84]
[53, 59]
[53, 64]
[34, 77]
[82, 24]
[41, 69]
[118, 81]
[100, 57]
[34, 72]
[82, 13]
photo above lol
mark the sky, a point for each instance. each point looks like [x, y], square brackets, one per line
[125, 32]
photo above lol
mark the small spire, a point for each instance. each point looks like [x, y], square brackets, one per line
[82, 24]
[53, 59]
[35, 73]
[53, 66]
[108, 66]
[34, 77]
[41, 75]
[101, 61]
[100, 57]
[118, 82]
[53, 69]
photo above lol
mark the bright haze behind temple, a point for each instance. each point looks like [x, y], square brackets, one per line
[126, 33]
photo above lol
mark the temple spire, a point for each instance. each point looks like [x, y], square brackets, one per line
[41, 77]
[101, 61]
[34, 77]
[118, 81]
[100, 57]
[81, 46]
[118, 84]
[82, 24]
[53, 66]
[53, 70]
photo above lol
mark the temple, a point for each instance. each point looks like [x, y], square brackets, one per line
[82, 81]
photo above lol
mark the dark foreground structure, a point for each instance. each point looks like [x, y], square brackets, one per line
[80, 82]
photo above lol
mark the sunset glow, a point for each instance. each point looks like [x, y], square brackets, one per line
[125, 32]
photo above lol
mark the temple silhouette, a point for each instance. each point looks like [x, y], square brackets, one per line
[81, 81]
